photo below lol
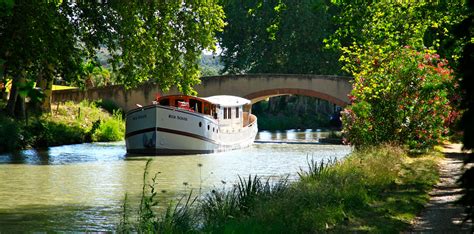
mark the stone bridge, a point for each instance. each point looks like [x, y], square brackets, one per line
[255, 87]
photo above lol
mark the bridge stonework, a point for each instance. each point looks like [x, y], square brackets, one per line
[255, 87]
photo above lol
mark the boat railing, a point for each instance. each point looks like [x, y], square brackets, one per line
[252, 119]
[249, 119]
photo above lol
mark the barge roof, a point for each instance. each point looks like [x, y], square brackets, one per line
[227, 100]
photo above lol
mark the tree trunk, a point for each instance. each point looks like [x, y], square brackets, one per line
[3, 90]
[40, 84]
[11, 104]
[48, 95]
[20, 108]
[46, 83]
[16, 104]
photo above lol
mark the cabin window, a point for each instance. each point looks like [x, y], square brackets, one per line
[165, 102]
[237, 110]
[195, 105]
[225, 113]
[229, 112]
[176, 102]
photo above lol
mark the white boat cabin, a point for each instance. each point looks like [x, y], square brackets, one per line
[231, 112]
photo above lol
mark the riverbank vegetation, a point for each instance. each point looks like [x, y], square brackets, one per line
[378, 189]
[68, 123]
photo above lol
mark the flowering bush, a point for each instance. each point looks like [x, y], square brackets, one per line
[402, 98]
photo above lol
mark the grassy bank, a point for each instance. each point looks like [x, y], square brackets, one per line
[376, 190]
[69, 123]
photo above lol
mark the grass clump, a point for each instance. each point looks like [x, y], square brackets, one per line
[175, 218]
[220, 208]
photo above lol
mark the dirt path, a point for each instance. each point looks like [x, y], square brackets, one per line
[442, 215]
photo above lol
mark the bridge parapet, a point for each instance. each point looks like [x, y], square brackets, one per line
[255, 87]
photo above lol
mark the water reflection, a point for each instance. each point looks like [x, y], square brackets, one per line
[81, 187]
[308, 135]
[68, 154]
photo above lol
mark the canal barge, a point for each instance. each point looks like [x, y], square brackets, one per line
[182, 124]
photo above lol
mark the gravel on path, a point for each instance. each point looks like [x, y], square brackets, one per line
[442, 214]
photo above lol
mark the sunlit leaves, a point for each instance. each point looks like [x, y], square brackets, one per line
[161, 41]
[390, 25]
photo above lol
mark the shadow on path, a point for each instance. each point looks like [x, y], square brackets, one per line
[442, 214]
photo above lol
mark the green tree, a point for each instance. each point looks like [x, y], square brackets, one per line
[387, 26]
[158, 41]
[279, 36]
[95, 74]
[161, 41]
[37, 44]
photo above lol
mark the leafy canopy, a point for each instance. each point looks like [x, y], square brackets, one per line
[387, 26]
[161, 41]
[154, 41]
[281, 36]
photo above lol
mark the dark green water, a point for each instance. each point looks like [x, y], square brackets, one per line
[81, 187]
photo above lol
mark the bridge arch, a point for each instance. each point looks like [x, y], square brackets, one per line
[264, 94]
[257, 87]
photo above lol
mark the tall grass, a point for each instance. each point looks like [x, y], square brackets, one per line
[378, 189]
[316, 169]
[360, 193]
[188, 214]
[176, 218]
[222, 206]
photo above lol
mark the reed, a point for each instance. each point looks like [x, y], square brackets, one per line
[222, 206]
[316, 169]
[178, 217]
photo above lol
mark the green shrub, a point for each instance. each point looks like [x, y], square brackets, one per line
[219, 208]
[404, 98]
[110, 129]
[44, 132]
[69, 123]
